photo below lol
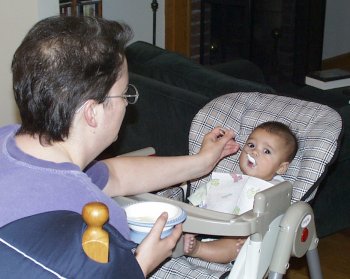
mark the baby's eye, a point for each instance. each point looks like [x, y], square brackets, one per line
[266, 151]
[250, 145]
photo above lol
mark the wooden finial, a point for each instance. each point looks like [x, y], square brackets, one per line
[95, 239]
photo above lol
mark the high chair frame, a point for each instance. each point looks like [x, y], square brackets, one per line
[276, 232]
[281, 224]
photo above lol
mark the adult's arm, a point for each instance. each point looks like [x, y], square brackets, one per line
[133, 175]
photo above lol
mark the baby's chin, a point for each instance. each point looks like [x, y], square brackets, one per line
[251, 172]
[247, 171]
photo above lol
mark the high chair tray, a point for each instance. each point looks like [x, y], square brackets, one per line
[210, 222]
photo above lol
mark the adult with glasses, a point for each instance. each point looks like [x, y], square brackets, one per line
[71, 86]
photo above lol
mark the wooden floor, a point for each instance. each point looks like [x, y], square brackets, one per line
[334, 252]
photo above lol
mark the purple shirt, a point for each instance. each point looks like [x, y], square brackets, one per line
[29, 185]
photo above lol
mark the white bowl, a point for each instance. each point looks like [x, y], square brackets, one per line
[142, 216]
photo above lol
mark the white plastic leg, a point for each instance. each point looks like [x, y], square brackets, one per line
[254, 259]
[313, 262]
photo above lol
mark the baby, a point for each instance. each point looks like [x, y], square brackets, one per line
[266, 154]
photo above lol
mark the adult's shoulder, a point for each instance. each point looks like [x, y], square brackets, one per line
[98, 173]
[4, 130]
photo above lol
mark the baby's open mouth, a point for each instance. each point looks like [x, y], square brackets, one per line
[251, 161]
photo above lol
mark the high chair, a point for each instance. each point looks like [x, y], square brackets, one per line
[281, 223]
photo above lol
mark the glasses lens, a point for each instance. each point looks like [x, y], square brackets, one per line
[132, 94]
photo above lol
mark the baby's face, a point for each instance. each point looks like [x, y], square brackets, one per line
[263, 155]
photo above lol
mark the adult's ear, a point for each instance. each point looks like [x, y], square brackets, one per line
[90, 113]
[283, 168]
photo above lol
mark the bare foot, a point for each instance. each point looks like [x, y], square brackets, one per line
[191, 244]
[239, 245]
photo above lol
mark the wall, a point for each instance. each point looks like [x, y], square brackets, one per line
[19, 15]
[138, 14]
[15, 20]
[336, 33]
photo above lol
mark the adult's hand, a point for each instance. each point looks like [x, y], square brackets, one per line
[218, 144]
[153, 250]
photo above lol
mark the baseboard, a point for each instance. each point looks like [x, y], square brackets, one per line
[341, 61]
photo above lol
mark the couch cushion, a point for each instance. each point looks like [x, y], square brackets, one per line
[242, 69]
[172, 68]
[331, 204]
[161, 118]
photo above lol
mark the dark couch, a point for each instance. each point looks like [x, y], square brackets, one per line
[172, 90]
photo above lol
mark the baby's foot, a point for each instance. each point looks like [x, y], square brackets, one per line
[190, 244]
[239, 245]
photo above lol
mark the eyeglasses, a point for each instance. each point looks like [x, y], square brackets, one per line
[131, 95]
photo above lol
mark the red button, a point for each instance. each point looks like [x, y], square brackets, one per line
[304, 235]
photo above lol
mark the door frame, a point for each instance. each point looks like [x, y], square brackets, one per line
[178, 26]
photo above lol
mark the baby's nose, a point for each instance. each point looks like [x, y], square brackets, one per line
[255, 153]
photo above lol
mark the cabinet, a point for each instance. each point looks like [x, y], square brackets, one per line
[81, 7]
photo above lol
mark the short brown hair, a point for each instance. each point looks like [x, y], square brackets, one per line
[61, 63]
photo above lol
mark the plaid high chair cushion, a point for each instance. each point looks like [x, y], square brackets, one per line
[317, 128]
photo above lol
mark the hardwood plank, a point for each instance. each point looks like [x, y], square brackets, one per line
[334, 258]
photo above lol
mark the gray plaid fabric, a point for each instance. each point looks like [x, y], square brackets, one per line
[187, 267]
[316, 126]
[174, 193]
